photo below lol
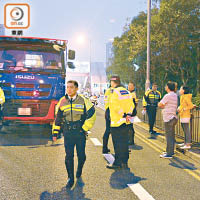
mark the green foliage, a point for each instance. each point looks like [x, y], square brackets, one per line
[174, 46]
[196, 100]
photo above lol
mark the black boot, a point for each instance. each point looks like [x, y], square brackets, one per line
[70, 170]
[105, 150]
[113, 166]
[70, 183]
[105, 146]
[124, 166]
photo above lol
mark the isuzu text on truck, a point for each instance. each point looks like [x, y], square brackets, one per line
[32, 76]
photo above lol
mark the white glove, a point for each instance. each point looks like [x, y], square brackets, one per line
[143, 112]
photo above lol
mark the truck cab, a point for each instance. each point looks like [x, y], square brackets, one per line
[32, 76]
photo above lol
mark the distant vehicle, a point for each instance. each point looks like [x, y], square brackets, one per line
[94, 100]
[32, 75]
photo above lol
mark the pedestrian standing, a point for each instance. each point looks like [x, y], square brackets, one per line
[121, 107]
[150, 103]
[184, 111]
[106, 135]
[169, 106]
[131, 131]
[2, 101]
[77, 115]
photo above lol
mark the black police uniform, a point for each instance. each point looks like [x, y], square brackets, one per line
[76, 116]
[150, 101]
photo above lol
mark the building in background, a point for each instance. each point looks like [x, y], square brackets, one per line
[98, 78]
[81, 73]
[109, 54]
[91, 79]
[2, 29]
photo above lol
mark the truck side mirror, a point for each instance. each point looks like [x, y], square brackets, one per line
[71, 65]
[71, 54]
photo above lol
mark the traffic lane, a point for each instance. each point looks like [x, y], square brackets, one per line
[162, 178]
[165, 179]
[38, 172]
[31, 171]
[25, 135]
[29, 163]
[98, 182]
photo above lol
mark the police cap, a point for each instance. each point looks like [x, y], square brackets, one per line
[115, 78]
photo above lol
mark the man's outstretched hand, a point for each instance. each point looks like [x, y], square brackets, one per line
[54, 139]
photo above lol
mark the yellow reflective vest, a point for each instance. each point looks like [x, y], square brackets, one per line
[2, 97]
[133, 94]
[120, 104]
[79, 109]
[107, 97]
[151, 98]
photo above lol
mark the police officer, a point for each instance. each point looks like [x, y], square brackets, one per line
[121, 107]
[2, 101]
[131, 89]
[107, 118]
[77, 115]
[150, 103]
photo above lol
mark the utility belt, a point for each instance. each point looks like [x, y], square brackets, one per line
[73, 126]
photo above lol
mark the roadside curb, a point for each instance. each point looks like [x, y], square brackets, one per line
[141, 128]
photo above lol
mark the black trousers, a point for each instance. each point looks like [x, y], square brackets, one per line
[1, 113]
[120, 143]
[131, 133]
[151, 112]
[106, 134]
[71, 140]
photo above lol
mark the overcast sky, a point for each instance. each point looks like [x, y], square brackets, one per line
[97, 20]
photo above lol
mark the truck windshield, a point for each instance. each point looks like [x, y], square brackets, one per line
[20, 60]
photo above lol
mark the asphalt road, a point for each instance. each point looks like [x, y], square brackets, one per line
[31, 168]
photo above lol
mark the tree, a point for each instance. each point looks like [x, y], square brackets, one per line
[174, 46]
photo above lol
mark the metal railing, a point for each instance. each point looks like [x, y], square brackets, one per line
[194, 122]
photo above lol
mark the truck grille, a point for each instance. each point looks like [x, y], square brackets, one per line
[39, 108]
[24, 85]
[45, 86]
[30, 94]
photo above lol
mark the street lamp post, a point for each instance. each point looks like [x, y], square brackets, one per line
[147, 85]
[90, 77]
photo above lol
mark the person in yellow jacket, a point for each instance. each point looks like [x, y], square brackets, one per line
[184, 111]
[107, 94]
[2, 101]
[131, 89]
[121, 107]
[76, 115]
[150, 104]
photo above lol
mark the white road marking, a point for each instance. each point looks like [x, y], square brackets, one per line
[96, 142]
[140, 192]
[109, 157]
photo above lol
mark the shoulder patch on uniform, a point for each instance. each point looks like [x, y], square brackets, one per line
[123, 92]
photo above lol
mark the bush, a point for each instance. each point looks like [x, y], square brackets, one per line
[196, 100]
